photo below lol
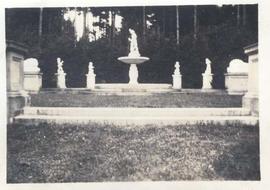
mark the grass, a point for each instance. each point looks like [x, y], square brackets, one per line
[153, 100]
[72, 153]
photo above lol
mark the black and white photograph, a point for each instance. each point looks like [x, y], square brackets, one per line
[132, 93]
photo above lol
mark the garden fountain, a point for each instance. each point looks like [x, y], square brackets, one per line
[133, 58]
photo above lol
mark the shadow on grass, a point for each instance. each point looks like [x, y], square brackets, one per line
[241, 161]
[27, 148]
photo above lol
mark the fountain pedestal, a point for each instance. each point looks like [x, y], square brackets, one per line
[133, 70]
[133, 74]
[133, 58]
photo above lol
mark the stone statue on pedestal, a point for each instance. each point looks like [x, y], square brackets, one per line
[177, 77]
[207, 75]
[60, 66]
[61, 75]
[90, 77]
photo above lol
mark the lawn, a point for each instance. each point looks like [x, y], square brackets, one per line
[68, 99]
[94, 153]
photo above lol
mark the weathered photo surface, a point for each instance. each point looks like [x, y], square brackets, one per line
[132, 93]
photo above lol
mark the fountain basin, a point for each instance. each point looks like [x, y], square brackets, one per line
[133, 60]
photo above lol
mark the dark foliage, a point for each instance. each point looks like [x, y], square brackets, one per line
[219, 38]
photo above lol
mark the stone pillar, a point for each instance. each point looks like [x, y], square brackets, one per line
[207, 75]
[250, 99]
[90, 77]
[17, 97]
[236, 78]
[32, 75]
[177, 77]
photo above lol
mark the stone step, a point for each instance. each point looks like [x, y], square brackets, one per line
[121, 91]
[126, 87]
[135, 89]
[133, 86]
[134, 112]
[135, 120]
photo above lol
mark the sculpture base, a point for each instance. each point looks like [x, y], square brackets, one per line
[90, 81]
[32, 81]
[236, 83]
[177, 81]
[61, 80]
[207, 81]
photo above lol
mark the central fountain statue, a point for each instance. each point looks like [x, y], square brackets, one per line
[133, 58]
[133, 49]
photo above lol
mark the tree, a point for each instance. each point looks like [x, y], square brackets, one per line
[163, 21]
[177, 26]
[244, 15]
[40, 28]
[218, 38]
[144, 23]
[238, 15]
[85, 31]
[195, 20]
[112, 32]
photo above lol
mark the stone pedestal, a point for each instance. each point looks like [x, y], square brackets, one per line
[177, 81]
[236, 83]
[250, 99]
[17, 98]
[133, 74]
[32, 75]
[207, 81]
[32, 81]
[90, 81]
[60, 80]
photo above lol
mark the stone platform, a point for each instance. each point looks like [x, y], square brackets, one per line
[136, 116]
[173, 107]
